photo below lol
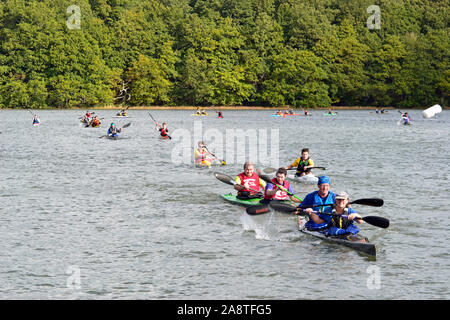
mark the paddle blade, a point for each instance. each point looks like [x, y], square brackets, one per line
[224, 178]
[373, 202]
[224, 163]
[127, 125]
[265, 178]
[377, 221]
[283, 207]
[103, 136]
[270, 170]
[320, 168]
[256, 210]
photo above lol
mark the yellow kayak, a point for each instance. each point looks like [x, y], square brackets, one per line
[195, 114]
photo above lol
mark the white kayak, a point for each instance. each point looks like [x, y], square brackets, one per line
[307, 178]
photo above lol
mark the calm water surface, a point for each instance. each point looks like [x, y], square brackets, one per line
[90, 218]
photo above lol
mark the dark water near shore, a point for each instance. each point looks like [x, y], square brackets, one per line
[90, 218]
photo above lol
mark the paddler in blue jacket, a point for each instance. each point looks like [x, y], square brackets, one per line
[319, 197]
[113, 130]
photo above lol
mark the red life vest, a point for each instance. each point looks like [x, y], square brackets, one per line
[280, 194]
[251, 184]
[163, 131]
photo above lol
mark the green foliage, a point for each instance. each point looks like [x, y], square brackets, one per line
[223, 52]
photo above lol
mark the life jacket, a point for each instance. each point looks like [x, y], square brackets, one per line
[341, 225]
[95, 123]
[163, 131]
[251, 184]
[301, 165]
[280, 194]
[310, 224]
[201, 156]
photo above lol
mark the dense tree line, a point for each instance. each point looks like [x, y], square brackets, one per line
[303, 53]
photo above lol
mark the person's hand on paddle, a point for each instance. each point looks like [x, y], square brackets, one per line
[355, 216]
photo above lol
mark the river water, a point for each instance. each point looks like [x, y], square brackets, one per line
[90, 218]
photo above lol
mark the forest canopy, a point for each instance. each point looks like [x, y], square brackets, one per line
[312, 53]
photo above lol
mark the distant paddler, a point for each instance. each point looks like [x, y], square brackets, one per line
[406, 119]
[304, 164]
[95, 122]
[122, 113]
[163, 130]
[219, 114]
[273, 190]
[249, 183]
[340, 221]
[113, 131]
[306, 112]
[36, 120]
[202, 155]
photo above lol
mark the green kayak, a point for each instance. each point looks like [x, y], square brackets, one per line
[247, 202]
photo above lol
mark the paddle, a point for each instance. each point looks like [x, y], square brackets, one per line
[156, 122]
[223, 162]
[125, 126]
[226, 179]
[272, 170]
[373, 220]
[269, 180]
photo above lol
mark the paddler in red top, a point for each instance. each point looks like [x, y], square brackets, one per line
[163, 130]
[249, 183]
[273, 192]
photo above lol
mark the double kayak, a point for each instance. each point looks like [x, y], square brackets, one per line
[354, 241]
[307, 178]
[195, 114]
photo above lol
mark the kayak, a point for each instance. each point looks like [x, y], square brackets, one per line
[122, 117]
[36, 124]
[112, 137]
[307, 178]
[354, 241]
[284, 115]
[204, 164]
[164, 137]
[247, 202]
[330, 114]
[194, 114]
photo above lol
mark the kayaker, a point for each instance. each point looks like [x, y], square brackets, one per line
[338, 225]
[405, 118]
[249, 183]
[36, 120]
[279, 113]
[113, 131]
[95, 122]
[272, 192]
[122, 113]
[201, 155]
[162, 129]
[303, 164]
[306, 112]
[219, 114]
[330, 112]
[203, 112]
[319, 197]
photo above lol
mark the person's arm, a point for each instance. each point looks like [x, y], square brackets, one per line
[314, 217]
[271, 189]
[353, 214]
[237, 186]
[291, 190]
[293, 164]
[310, 164]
